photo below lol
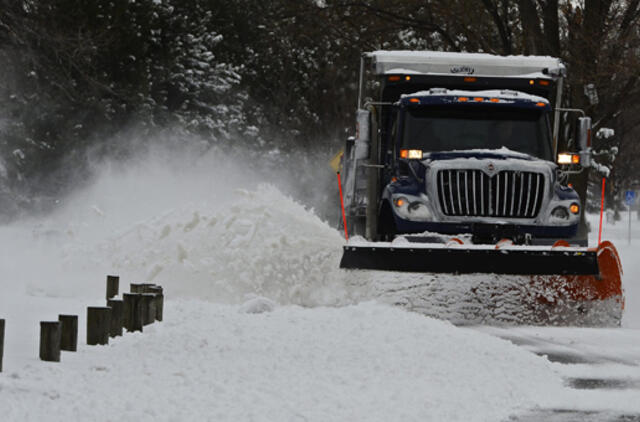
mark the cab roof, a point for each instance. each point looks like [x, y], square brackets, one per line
[464, 64]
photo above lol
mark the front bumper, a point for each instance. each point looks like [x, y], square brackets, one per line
[487, 230]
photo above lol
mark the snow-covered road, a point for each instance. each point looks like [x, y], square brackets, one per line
[600, 366]
[323, 351]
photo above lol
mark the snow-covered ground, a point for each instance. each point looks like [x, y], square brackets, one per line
[213, 362]
[223, 246]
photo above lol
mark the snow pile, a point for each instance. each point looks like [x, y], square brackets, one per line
[262, 243]
[201, 226]
[257, 305]
[210, 362]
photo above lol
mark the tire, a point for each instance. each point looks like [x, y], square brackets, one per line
[386, 224]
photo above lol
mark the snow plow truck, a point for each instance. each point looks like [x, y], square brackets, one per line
[462, 164]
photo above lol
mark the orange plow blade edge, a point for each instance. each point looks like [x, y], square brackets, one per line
[604, 286]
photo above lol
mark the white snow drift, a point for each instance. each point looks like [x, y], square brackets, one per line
[237, 259]
[211, 362]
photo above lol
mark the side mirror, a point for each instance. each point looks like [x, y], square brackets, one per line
[584, 133]
[362, 134]
[584, 140]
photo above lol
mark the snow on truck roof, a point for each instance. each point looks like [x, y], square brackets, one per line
[478, 64]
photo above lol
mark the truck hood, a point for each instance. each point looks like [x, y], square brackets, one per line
[498, 159]
[493, 154]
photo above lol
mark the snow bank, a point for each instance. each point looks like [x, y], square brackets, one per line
[202, 226]
[262, 242]
[211, 362]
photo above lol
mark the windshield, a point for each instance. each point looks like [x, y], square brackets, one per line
[450, 128]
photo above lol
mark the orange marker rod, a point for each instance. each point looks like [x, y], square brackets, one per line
[344, 218]
[601, 211]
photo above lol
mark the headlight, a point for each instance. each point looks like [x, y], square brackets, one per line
[412, 207]
[419, 210]
[560, 212]
[566, 158]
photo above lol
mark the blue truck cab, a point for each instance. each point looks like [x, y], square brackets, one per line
[469, 151]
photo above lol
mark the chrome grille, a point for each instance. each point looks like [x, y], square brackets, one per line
[514, 194]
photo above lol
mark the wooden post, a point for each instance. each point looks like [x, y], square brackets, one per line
[148, 308]
[159, 306]
[117, 316]
[135, 287]
[50, 341]
[146, 287]
[158, 301]
[1, 342]
[113, 284]
[68, 332]
[154, 289]
[98, 325]
[132, 311]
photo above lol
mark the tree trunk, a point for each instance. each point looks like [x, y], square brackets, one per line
[532, 40]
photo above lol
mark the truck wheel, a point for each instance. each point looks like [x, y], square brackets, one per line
[386, 224]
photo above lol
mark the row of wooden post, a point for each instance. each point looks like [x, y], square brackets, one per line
[143, 306]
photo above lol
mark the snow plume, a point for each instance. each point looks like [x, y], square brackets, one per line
[200, 221]
[260, 242]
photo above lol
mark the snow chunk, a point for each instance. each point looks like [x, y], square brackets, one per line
[18, 154]
[605, 133]
[257, 305]
[601, 168]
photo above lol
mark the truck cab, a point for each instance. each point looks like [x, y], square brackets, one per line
[461, 144]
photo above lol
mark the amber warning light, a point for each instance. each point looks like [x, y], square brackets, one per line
[568, 158]
[412, 154]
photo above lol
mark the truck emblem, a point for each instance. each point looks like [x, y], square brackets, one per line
[491, 168]
[463, 69]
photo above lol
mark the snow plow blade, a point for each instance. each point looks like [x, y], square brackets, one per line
[471, 284]
[463, 260]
